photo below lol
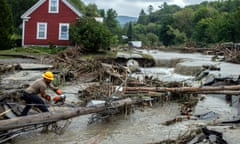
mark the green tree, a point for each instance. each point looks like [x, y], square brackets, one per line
[102, 13]
[236, 25]
[91, 10]
[18, 7]
[164, 15]
[90, 35]
[150, 9]
[143, 38]
[167, 35]
[180, 37]
[139, 29]
[152, 38]
[78, 4]
[113, 25]
[142, 19]
[201, 32]
[130, 32]
[227, 27]
[6, 25]
[183, 21]
[204, 12]
[111, 21]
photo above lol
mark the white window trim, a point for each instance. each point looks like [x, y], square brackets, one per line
[45, 30]
[59, 34]
[49, 7]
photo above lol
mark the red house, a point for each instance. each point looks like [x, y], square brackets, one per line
[47, 22]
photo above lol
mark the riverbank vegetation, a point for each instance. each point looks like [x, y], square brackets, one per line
[201, 25]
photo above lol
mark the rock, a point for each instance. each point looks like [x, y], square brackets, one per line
[133, 65]
[128, 55]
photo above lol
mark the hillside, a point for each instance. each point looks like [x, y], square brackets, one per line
[125, 19]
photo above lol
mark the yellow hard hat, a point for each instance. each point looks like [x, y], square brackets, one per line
[48, 75]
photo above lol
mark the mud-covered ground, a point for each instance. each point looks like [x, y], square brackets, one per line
[144, 125]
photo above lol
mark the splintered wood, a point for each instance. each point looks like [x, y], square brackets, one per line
[72, 67]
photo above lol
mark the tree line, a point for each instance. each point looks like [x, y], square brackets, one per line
[201, 24]
[169, 25]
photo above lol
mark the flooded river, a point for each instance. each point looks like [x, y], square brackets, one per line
[146, 125]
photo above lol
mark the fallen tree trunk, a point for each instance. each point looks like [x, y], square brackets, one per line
[54, 116]
[134, 93]
[218, 92]
[184, 89]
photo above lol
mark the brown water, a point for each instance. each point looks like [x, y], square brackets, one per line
[140, 127]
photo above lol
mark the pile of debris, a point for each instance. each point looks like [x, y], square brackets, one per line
[230, 51]
[195, 136]
[72, 67]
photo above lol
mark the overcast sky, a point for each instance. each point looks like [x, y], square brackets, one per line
[133, 7]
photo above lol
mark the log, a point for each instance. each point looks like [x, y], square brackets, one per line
[183, 89]
[109, 69]
[134, 93]
[219, 92]
[54, 116]
[32, 66]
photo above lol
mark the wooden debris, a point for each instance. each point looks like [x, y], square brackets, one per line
[8, 68]
[49, 117]
[230, 51]
[28, 66]
[73, 68]
[198, 135]
[3, 113]
[206, 89]
[182, 139]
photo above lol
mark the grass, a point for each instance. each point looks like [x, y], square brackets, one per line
[32, 50]
[46, 50]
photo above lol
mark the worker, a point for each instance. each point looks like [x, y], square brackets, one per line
[32, 94]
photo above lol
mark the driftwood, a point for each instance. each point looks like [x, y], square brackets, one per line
[205, 90]
[109, 70]
[226, 92]
[32, 66]
[54, 116]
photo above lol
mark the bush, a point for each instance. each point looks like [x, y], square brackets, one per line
[90, 35]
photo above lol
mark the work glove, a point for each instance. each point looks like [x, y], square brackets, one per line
[47, 97]
[58, 91]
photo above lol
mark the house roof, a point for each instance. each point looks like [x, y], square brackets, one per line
[40, 2]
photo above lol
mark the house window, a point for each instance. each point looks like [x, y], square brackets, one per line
[53, 6]
[41, 30]
[63, 31]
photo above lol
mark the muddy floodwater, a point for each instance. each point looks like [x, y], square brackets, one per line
[140, 127]
[145, 125]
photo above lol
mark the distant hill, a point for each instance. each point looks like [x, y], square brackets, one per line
[125, 19]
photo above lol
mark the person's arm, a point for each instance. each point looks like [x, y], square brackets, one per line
[55, 89]
[45, 96]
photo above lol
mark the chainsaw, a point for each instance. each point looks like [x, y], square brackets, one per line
[59, 99]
